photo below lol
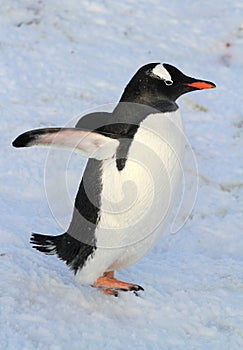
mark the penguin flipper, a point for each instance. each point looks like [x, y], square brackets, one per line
[89, 144]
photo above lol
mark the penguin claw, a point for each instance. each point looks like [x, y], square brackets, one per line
[135, 288]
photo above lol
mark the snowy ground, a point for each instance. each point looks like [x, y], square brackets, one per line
[60, 58]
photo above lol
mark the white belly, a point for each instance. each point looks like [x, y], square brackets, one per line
[137, 202]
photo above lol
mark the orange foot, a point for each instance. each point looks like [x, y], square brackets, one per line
[110, 285]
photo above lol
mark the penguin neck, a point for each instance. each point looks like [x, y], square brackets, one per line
[148, 98]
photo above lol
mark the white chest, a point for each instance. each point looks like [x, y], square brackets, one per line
[138, 199]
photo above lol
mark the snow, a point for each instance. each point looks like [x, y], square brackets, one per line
[62, 58]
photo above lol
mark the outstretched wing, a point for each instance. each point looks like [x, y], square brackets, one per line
[90, 144]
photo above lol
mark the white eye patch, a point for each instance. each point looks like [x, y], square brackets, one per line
[162, 73]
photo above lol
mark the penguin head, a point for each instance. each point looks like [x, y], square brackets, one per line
[155, 81]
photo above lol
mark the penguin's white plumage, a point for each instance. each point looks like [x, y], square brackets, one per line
[130, 184]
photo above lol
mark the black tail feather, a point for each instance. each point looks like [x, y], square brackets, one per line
[45, 244]
[68, 249]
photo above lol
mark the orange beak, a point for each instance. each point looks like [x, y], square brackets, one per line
[202, 85]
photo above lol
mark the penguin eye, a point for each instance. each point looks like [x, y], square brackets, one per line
[168, 82]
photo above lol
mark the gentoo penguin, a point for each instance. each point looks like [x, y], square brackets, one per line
[130, 184]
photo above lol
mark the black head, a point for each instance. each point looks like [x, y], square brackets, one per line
[155, 82]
